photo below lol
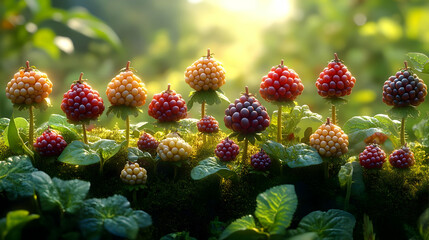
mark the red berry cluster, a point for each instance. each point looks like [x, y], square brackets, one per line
[147, 143]
[260, 161]
[81, 102]
[372, 157]
[50, 143]
[281, 84]
[404, 89]
[246, 115]
[402, 158]
[208, 124]
[335, 80]
[168, 106]
[227, 150]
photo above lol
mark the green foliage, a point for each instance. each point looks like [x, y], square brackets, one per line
[56, 193]
[345, 174]
[113, 214]
[15, 177]
[79, 153]
[135, 154]
[251, 137]
[45, 104]
[178, 236]
[243, 228]
[419, 61]
[421, 131]
[60, 123]
[107, 148]
[403, 112]
[13, 139]
[368, 229]
[4, 122]
[336, 101]
[423, 225]
[122, 111]
[210, 97]
[299, 155]
[210, 166]
[12, 224]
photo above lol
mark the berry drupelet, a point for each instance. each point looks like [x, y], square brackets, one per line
[372, 157]
[50, 143]
[260, 161]
[168, 106]
[402, 158]
[208, 124]
[227, 150]
[147, 143]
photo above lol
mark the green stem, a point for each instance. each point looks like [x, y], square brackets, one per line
[334, 114]
[279, 125]
[85, 138]
[244, 156]
[203, 113]
[403, 131]
[348, 193]
[31, 129]
[127, 130]
[101, 167]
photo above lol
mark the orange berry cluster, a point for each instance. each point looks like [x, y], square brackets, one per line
[330, 140]
[133, 174]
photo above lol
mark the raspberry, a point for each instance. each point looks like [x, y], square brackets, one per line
[173, 149]
[81, 102]
[50, 143]
[246, 115]
[28, 86]
[335, 80]
[133, 174]
[404, 89]
[378, 138]
[205, 73]
[260, 161]
[372, 157]
[168, 106]
[126, 89]
[329, 140]
[402, 158]
[281, 84]
[147, 143]
[227, 150]
[208, 124]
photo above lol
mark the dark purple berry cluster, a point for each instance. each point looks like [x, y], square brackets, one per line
[50, 143]
[227, 150]
[402, 158]
[147, 143]
[260, 161]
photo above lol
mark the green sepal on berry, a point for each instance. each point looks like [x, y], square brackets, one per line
[403, 112]
[209, 97]
[251, 137]
[122, 111]
[45, 104]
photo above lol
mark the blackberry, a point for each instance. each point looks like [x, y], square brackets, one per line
[281, 84]
[50, 143]
[372, 157]
[330, 140]
[147, 143]
[133, 174]
[168, 106]
[227, 150]
[402, 158]
[208, 124]
[404, 89]
[260, 161]
[246, 115]
[335, 80]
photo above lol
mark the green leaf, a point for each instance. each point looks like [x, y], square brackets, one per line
[11, 226]
[275, 150]
[330, 225]
[135, 154]
[403, 112]
[211, 166]
[107, 148]
[115, 215]
[18, 133]
[337, 101]
[275, 208]
[345, 174]
[423, 225]
[243, 228]
[4, 122]
[46, 102]
[419, 61]
[210, 97]
[302, 155]
[304, 236]
[421, 130]
[60, 123]
[358, 186]
[15, 177]
[44, 39]
[79, 153]
[178, 236]
[66, 195]
[122, 111]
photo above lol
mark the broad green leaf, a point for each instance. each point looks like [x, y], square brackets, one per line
[304, 236]
[122, 111]
[107, 148]
[358, 186]
[275, 150]
[113, 214]
[243, 228]
[210, 97]
[22, 127]
[275, 208]
[419, 61]
[79, 153]
[66, 195]
[134, 154]
[44, 39]
[211, 166]
[331, 225]
[345, 174]
[302, 155]
[12, 224]
[421, 130]
[403, 112]
[337, 101]
[178, 236]
[15, 177]
[423, 225]
[58, 122]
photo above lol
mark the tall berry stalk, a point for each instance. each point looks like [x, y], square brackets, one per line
[31, 128]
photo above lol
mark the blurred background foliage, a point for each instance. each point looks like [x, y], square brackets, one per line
[162, 37]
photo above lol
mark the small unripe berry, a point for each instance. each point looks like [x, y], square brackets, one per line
[227, 150]
[173, 149]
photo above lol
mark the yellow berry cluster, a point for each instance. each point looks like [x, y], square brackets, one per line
[28, 86]
[330, 140]
[133, 174]
[205, 73]
[126, 89]
[173, 149]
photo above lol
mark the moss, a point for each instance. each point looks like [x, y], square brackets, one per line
[5, 151]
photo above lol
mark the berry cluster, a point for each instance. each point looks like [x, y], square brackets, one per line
[126, 89]
[330, 140]
[50, 143]
[81, 102]
[133, 174]
[260, 161]
[404, 89]
[147, 143]
[208, 124]
[246, 115]
[281, 84]
[173, 149]
[377, 137]
[335, 80]
[402, 158]
[372, 157]
[28, 86]
[227, 150]
[205, 73]
[168, 106]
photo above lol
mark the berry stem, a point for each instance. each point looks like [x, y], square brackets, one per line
[348, 193]
[244, 156]
[127, 68]
[403, 131]
[80, 78]
[31, 128]
[334, 114]
[336, 57]
[85, 138]
[28, 68]
[282, 63]
[406, 65]
[279, 125]
[168, 87]
[208, 53]
[127, 130]
[203, 113]
[247, 90]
